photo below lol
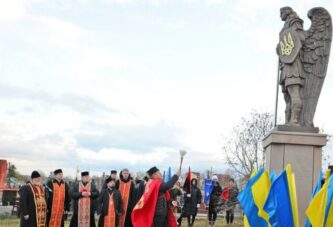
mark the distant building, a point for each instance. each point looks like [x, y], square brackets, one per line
[3, 173]
[7, 194]
[223, 179]
[197, 176]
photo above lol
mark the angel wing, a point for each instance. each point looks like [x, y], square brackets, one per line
[315, 55]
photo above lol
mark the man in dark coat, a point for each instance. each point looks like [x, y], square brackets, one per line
[140, 188]
[33, 203]
[110, 205]
[153, 209]
[214, 201]
[161, 209]
[58, 199]
[113, 175]
[84, 194]
[126, 187]
[192, 201]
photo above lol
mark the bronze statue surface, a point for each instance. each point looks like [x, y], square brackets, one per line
[304, 59]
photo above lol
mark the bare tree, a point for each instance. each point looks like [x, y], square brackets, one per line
[243, 147]
[327, 152]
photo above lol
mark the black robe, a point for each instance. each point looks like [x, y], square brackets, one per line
[27, 206]
[161, 209]
[190, 203]
[215, 196]
[76, 195]
[139, 190]
[132, 199]
[49, 198]
[103, 202]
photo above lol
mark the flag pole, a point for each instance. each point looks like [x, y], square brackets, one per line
[277, 93]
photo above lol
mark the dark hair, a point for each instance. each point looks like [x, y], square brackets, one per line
[146, 178]
[152, 170]
[232, 179]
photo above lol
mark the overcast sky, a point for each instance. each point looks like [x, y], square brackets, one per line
[106, 84]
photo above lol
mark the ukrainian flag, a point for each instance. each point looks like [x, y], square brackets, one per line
[315, 191]
[281, 203]
[329, 204]
[260, 190]
[272, 176]
[246, 222]
[250, 198]
[317, 210]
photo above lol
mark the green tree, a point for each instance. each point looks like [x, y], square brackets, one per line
[13, 174]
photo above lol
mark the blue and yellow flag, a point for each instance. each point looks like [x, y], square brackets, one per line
[292, 194]
[272, 176]
[246, 222]
[248, 201]
[317, 207]
[260, 190]
[281, 203]
[329, 212]
[314, 193]
[329, 204]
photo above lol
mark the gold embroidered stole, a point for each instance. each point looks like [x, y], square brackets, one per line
[40, 204]
[84, 206]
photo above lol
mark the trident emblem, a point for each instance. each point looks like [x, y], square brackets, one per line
[287, 45]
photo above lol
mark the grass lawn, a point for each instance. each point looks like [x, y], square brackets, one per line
[15, 222]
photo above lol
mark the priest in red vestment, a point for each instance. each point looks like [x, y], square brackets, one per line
[154, 208]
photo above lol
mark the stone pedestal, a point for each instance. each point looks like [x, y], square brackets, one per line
[304, 152]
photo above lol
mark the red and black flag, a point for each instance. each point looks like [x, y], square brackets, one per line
[187, 184]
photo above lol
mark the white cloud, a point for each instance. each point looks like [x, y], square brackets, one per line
[101, 58]
[216, 2]
[121, 156]
[176, 25]
[120, 1]
[61, 33]
[11, 10]
[146, 75]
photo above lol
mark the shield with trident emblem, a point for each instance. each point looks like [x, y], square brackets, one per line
[289, 45]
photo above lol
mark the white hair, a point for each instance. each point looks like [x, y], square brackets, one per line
[215, 178]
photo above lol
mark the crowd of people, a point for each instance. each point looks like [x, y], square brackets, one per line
[121, 201]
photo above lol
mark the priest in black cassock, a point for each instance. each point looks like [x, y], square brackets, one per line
[154, 208]
[58, 199]
[32, 203]
[110, 205]
[84, 194]
[113, 175]
[126, 187]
